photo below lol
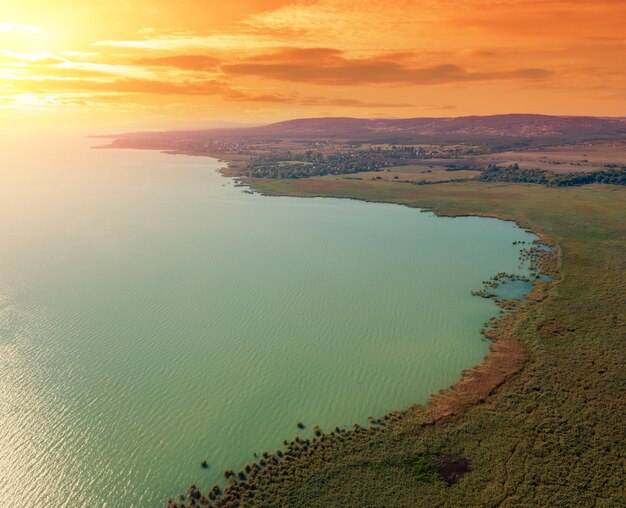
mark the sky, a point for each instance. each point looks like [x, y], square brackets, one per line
[168, 63]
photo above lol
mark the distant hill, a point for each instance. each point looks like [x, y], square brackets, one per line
[519, 128]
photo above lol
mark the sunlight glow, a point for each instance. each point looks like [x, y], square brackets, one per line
[17, 27]
[274, 59]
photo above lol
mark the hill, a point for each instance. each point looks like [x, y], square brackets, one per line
[516, 129]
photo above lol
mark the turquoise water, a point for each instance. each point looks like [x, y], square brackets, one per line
[153, 315]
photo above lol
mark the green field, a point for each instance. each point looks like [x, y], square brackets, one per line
[551, 434]
[412, 173]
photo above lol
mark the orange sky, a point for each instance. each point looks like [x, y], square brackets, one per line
[181, 63]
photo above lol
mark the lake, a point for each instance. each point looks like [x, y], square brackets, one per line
[153, 315]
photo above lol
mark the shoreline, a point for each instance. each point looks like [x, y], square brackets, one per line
[506, 358]
[502, 349]
[549, 434]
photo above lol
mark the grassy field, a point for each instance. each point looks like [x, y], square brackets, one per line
[540, 424]
[412, 173]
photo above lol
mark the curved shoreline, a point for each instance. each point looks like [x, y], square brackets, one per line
[506, 358]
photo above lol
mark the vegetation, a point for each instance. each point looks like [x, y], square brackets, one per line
[423, 470]
[611, 175]
[344, 159]
[499, 157]
[548, 433]
[341, 160]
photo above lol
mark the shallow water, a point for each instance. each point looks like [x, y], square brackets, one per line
[152, 315]
[512, 290]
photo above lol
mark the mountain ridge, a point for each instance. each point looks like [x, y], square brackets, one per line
[466, 129]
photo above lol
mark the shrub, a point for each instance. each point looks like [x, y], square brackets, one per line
[423, 471]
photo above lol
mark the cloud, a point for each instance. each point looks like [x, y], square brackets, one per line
[129, 87]
[315, 101]
[183, 62]
[124, 85]
[30, 58]
[329, 66]
[323, 101]
[18, 27]
[147, 86]
[546, 19]
[191, 41]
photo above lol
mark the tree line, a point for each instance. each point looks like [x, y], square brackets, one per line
[513, 173]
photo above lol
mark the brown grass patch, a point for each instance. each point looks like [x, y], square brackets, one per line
[505, 359]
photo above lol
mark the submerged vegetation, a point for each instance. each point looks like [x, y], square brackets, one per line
[540, 422]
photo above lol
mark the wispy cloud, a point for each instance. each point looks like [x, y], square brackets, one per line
[17, 27]
[479, 55]
[184, 62]
[315, 101]
[190, 41]
[333, 68]
[39, 58]
[96, 85]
